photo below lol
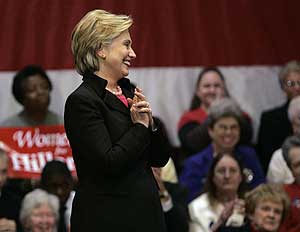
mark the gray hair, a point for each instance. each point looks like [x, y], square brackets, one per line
[291, 66]
[33, 200]
[96, 29]
[222, 108]
[289, 143]
[294, 108]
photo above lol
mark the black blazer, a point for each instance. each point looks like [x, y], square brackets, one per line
[113, 157]
[274, 128]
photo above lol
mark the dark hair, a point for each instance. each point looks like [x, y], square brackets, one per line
[210, 186]
[22, 76]
[54, 168]
[196, 101]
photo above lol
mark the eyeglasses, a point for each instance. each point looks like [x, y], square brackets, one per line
[223, 128]
[290, 83]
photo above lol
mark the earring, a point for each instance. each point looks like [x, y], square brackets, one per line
[103, 57]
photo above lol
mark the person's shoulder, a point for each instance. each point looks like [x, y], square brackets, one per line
[14, 120]
[246, 150]
[201, 202]
[201, 156]
[10, 197]
[278, 110]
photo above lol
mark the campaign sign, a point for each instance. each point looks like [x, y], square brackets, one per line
[30, 148]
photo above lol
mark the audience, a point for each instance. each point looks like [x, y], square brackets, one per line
[10, 203]
[57, 179]
[221, 203]
[193, 131]
[277, 119]
[278, 171]
[224, 123]
[39, 212]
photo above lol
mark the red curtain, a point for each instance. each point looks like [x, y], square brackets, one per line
[165, 32]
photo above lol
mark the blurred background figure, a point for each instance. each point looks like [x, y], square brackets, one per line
[291, 154]
[277, 119]
[221, 203]
[10, 203]
[224, 127]
[57, 179]
[278, 171]
[192, 127]
[39, 212]
[173, 199]
[31, 88]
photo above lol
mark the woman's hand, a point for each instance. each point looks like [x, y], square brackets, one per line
[140, 109]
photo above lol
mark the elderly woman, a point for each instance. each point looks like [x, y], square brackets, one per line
[31, 88]
[221, 203]
[114, 139]
[224, 123]
[278, 171]
[39, 212]
[192, 127]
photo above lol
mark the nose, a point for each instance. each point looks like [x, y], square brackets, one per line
[227, 174]
[132, 54]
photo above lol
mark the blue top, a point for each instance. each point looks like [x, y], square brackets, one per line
[196, 167]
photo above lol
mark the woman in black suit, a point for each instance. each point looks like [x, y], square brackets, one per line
[114, 139]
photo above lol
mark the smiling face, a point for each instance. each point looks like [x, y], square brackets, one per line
[225, 134]
[42, 219]
[267, 216]
[227, 175]
[115, 59]
[210, 87]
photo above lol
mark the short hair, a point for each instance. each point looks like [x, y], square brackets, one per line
[289, 143]
[22, 76]
[267, 192]
[294, 108]
[289, 67]
[196, 101]
[222, 108]
[96, 29]
[34, 199]
[210, 186]
[54, 168]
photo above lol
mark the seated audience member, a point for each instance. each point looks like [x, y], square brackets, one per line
[222, 201]
[57, 179]
[173, 199]
[224, 123]
[278, 171]
[192, 127]
[31, 88]
[266, 207]
[39, 212]
[10, 203]
[277, 119]
[291, 154]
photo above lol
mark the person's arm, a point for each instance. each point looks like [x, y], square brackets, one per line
[89, 135]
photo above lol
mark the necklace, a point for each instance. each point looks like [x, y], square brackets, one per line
[117, 91]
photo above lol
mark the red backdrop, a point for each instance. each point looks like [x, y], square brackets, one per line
[165, 32]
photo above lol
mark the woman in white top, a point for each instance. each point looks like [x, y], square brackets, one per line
[221, 203]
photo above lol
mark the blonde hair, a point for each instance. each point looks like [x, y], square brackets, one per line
[96, 29]
[267, 192]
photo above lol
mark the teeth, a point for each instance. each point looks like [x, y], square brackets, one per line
[127, 62]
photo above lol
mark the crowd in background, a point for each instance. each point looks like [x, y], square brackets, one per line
[217, 181]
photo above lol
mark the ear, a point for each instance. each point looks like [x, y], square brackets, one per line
[101, 53]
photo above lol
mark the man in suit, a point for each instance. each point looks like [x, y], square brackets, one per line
[9, 202]
[274, 124]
